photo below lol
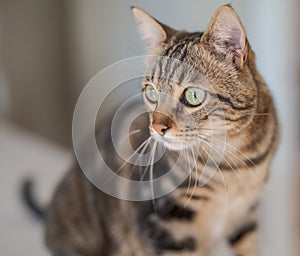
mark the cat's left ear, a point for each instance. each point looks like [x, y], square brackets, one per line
[227, 34]
[151, 30]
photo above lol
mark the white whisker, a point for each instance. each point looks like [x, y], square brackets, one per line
[240, 160]
[196, 178]
[151, 175]
[133, 154]
[218, 169]
[129, 134]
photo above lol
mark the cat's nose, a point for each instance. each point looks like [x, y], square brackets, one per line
[162, 123]
[161, 128]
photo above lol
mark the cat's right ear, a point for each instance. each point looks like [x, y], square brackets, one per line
[151, 30]
[227, 34]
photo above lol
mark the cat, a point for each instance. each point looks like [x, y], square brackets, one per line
[197, 218]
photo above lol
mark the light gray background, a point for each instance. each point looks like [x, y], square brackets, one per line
[49, 50]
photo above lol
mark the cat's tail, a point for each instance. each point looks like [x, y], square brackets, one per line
[27, 194]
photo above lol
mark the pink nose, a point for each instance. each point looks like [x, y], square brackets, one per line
[161, 123]
[160, 128]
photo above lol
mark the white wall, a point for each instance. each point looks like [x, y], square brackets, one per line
[32, 63]
[273, 28]
[4, 88]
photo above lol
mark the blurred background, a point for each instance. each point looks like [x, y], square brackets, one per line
[50, 49]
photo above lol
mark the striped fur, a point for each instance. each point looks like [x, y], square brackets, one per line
[213, 215]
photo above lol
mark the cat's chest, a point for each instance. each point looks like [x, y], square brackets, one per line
[193, 227]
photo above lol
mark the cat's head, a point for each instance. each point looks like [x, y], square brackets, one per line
[198, 85]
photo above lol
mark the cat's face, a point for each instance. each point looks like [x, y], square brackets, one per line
[198, 85]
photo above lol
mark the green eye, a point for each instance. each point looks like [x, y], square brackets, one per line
[194, 97]
[151, 93]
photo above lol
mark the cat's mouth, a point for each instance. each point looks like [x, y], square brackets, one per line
[169, 141]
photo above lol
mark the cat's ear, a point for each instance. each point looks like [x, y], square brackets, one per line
[151, 30]
[227, 33]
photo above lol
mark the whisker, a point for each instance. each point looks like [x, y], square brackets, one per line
[259, 114]
[132, 155]
[189, 167]
[232, 168]
[129, 134]
[238, 158]
[243, 162]
[196, 178]
[148, 164]
[218, 169]
[151, 176]
[127, 160]
[138, 160]
[238, 151]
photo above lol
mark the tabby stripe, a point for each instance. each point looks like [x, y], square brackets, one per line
[195, 41]
[153, 74]
[260, 135]
[160, 67]
[242, 232]
[187, 183]
[181, 77]
[221, 166]
[178, 63]
[180, 47]
[212, 113]
[260, 158]
[168, 67]
[186, 244]
[196, 197]
[167, 242]
[171, 210]
[177, 49]
[164, 240]
[230, 119]
[168, 50]
[227, 100]
[184, 54]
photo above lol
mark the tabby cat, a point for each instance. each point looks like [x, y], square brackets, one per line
[216, 216]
